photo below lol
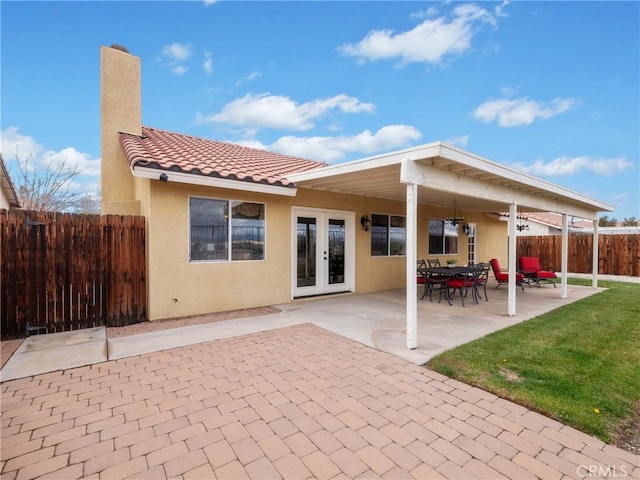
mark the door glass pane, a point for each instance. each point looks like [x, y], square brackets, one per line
[336, 251]
[306, 267]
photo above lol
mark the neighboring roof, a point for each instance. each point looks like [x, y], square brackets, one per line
[185, 154]
[444, 172]
[576, 225]
[6, 185]
[554, 220]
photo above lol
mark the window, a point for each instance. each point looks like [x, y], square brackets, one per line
[388, 235]
[213, 230]
[443, 238]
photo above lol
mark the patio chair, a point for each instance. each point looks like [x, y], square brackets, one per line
[530, 267]
[429, 280]
[462, 284]
[502, 276]
[483, 278]
[420, 277]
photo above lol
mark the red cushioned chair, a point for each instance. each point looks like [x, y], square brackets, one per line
[530, 267]
[503, 276]
[420, 278]
[462, 284]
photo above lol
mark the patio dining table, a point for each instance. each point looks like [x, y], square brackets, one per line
[445, 273]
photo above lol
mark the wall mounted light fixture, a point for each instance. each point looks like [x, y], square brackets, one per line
[522, 223]
[163, 177]
[365, 222]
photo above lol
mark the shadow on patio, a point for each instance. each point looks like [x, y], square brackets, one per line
[379, 320]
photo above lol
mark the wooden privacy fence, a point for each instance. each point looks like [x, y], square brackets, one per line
[70, 271]
[617, 254]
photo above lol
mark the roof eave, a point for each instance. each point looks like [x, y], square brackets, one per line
[449, 152]
[216, 182]
[7, 185]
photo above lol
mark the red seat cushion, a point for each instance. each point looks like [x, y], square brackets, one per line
[460, 282]
[543, 274]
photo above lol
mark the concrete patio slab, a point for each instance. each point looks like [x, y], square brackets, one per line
[58, 351]
[377, 320]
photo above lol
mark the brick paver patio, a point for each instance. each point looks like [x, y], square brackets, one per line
[297, 402]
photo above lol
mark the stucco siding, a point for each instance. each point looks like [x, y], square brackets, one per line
[178, 287]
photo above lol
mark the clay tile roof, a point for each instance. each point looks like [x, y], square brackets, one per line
[183, 153]
[555, 220]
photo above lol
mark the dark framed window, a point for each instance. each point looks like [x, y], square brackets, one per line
[226, 230]
[388, 235]
[443, 238]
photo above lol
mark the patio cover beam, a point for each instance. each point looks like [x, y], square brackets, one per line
[411, 259]
[436, 178]
[511, 283]
[594, 279]
[564, 291]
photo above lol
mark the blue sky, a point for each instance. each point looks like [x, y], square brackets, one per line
[552, 88]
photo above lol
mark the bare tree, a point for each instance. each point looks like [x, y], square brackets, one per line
[50, 189]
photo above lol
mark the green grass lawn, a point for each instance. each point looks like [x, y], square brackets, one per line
[579, 364]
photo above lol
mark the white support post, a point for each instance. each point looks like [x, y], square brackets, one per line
[411, 258]
[596, 258]
[511, 293]
[565, 255]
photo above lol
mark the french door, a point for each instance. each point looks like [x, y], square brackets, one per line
[323, 251]
[472, 255]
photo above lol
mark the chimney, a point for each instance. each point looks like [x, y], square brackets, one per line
[121, 111]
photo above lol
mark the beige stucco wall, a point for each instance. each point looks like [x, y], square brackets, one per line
[121, 111]
[179, 288]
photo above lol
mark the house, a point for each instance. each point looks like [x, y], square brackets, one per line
[231, 227]
[8, 195]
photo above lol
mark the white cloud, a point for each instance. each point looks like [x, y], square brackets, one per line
[333, 149]
[512, 112]
[176, 54]
[179, 69]
[429, 12]
[431, 41]
[564, 166]
[500, 9]
[620, 197]
[25, 147]
[207, 66]
[249, 78]
[461, 141]
[209, 2]
[276, 111]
